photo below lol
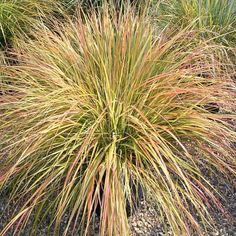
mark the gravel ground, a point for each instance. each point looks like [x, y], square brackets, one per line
[145, 223]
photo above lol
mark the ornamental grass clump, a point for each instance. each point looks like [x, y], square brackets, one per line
[19, 15]
[100, 102]
[216, 18]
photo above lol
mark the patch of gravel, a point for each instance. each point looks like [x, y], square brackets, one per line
[145, 222]
[225, 224]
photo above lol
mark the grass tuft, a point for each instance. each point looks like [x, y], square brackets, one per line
[101, 102]
[19, 15]
[216, 18]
